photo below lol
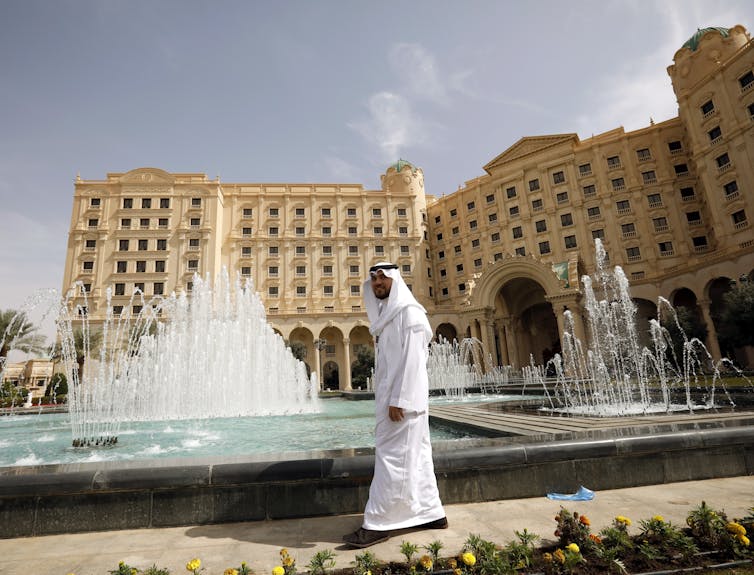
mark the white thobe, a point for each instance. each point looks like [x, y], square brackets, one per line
[404, 491]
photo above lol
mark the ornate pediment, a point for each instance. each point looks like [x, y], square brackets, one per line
[147, 176]
[527, 146]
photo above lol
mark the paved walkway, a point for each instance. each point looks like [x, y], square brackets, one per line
[258, 543]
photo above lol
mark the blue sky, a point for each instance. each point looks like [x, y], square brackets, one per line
[307, 91]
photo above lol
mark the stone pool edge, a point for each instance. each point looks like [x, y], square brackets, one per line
[80, 498]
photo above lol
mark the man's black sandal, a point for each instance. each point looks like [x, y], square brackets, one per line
[365, 537]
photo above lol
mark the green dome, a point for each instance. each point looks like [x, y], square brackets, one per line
[400, 164]
[693, 42]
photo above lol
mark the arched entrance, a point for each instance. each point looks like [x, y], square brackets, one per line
[446, 331]
[330, 376]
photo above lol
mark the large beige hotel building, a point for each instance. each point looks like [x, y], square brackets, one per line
[498, 259]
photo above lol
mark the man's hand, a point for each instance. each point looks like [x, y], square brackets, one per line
[396, 413]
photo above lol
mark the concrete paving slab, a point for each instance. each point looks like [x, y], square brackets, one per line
[258, 543]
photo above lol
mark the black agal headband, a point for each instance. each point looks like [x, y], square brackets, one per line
[378, 267]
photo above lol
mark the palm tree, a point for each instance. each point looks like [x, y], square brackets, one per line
[17, 332]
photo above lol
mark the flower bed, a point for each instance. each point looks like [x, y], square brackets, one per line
[709, 539]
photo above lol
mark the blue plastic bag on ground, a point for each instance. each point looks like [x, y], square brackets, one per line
[583, 494]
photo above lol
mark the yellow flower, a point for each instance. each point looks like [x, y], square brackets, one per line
[193, 565]
[287, 560]
[573, 548]
[659, 518]
[736, 528]
[625, 520]
[457, 571]
[468, 559]
[426, 562]
[452, 563]
[743, 539]
[559, 555]
[369, 572]
[278, 570]
[230, 571]
[547, 557]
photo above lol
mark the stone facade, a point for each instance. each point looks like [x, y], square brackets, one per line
[499, 259]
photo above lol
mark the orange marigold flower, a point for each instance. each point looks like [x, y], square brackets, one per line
[596, 538]
[584, 520]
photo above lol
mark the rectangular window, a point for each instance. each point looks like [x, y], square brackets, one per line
[687, 194]
[327, 270]
[300, 250]
[247, 213]
[453, 213]
[300, 291]
[193, 244]
[461, 287]
[162, 245]
[738, 217]
[628, 230]
[633, 254]
[125, 224]
[352, 231]
[699, 243]
[490, 198]
[478, 263]
[623, 206]
[300, 213]
[376, 212]
[272, 231]
[144, 223]
[94, 202]
[540, 226]
[90, 245]
[443, 272]
[585, 169]
[472, 225]
[301, 271]
[274, 212]
[300, 231]
[141, 266]
[537, 205]
[544, 248]
[666, 248]
[534, 185]
[675, 147]
[273, 291]
[353, 250]
[618, 184]
[715, 134]
[513, 211]
[351, 212]
[196, 202]
[495, 237]
[272, 251]
[521, 251]
[441, 255]
[660, 224]
[158, 288]
[272, 271]
[570, 242]
[326, 250]
[379, 250]
[326, 231]
[654, 200]
[377, 231]
[326, 213]
[354, 270]
[404, 250]
[123, 245]
[162, 223]
[498, 256]
[246, 251]
[459, 268]
[457, 249]
[731, 189]
[355, 290]
[146, 203]
[518, 232]
[128, 203]
[475, 243]
[439, 237]
[746, 81]
[589, 190]
[93, 223]
[401, 212]
[598, 234]
[159, 266]
[643, 155]
[246, 232]
[143, 245]
[593, 212]
[707, 108]
[562, 197]
[566, 220]
[455, 231]
[649, 177]
[245, 271]
[164, 203]
[722, 161]
[471, 206]
[88, 266]
[492, 217]
[327, 291]
[613, 162]
[120, 289]
[558, 177]
[694, 218]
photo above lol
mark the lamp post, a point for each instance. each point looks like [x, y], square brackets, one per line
[320, 344]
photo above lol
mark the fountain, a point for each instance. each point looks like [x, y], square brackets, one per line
[215, 357]
[616, 374]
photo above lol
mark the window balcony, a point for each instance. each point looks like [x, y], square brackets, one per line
[742, 225]
[724, 168]
[631, 234]
[677, 152]
[637, 275]
[709, 114]
[624, 211]
[732, 196]
[634, 258]
[619, 187]
[329, 309]
[650, 180]
[690, 198]
[667, 253]
[355, 308]
[272, 310]
[593, 217]
[701, 249]
[656, 204]
[695, 223]
[663, 228]
[193, 248]
[716, 141]
[90, 249]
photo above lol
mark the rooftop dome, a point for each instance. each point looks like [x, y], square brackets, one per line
[693, 42]
[400, 164]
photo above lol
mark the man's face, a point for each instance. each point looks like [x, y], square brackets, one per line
[381, 284]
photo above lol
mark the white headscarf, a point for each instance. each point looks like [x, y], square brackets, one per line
[400, 298]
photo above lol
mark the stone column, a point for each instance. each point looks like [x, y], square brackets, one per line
[489, 329]
[318, 366]
[510, 339]
[347, 362]
[500, 328]
[713, 346]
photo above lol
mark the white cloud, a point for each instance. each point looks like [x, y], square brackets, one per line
[340, 170]
[391, 126]
[418, 70]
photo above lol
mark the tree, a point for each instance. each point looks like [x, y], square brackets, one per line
[362, 367]
[737, 317]
[17, 332]
[298, 350]
[57, 388]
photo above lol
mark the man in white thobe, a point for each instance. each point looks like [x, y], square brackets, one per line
[403, 493]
